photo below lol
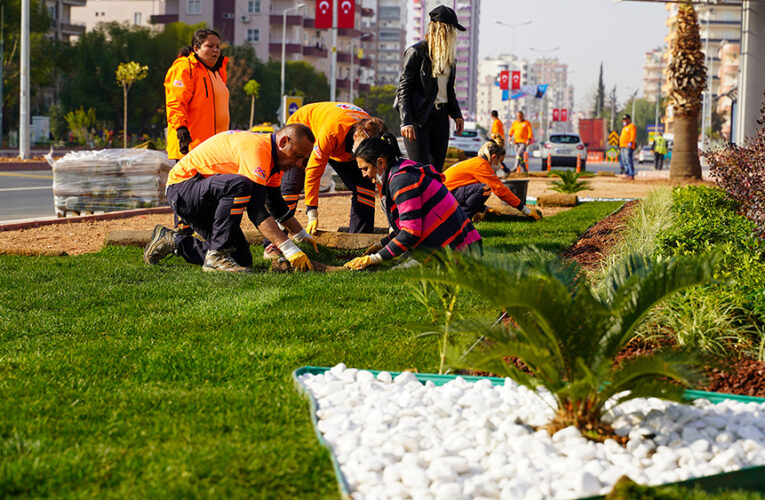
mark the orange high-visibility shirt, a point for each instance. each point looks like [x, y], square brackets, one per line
[477, 170]
[498, 128]
[330, 123]
[234, 152]
[521, 131]
[628, 135]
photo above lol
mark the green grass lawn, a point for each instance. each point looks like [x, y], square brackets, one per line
[122, 380]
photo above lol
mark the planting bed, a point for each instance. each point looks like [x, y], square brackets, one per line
[394, 437]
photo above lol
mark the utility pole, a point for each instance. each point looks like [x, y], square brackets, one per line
[2, 67]
[333, 56]
[24, 97]
[658, 100]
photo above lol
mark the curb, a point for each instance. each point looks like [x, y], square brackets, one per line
[20, 166]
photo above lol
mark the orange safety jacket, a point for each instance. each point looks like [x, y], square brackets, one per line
[477, 170]
[498, 128]
[522, 131]
[234, 152]
[190, 102]
[628, 135]
[330, 123]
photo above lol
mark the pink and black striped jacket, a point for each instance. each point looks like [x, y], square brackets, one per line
[422, 212]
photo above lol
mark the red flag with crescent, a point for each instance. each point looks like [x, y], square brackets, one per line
[346, 15]
[504, 80]
[515, 82]
[323, 14]
[556, 114]
[564, 115]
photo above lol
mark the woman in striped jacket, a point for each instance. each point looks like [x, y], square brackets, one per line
[422, 213]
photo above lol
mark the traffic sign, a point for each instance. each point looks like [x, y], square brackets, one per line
[290, 104]
[612, 154]
[613, 139]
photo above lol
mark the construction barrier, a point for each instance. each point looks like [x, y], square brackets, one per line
[578, 163]
[549, 162]
[595, 156]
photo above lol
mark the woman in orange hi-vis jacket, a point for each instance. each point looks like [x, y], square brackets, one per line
[339, 128]
[196, 96]
[472, 182]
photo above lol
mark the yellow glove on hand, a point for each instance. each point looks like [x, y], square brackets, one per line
[363, 262]
[373, 249]
[534, 213]
[304, 236]
[298, 259]
[313, 221]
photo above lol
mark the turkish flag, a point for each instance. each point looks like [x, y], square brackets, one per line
[516, 81]
[504, 80]
[556, 114]
[564, 115]
[346, 16]
[323, 14]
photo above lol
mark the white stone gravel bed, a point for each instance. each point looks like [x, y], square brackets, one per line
[395, 438]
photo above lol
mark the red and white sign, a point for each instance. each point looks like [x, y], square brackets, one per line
[516, 81]
[556, 114]
[504, 80]
[564, 115]
[346, 16]
[323, 14]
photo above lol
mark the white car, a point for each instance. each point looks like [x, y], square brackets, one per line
[564, 150]
[645, 155]
[469, 141]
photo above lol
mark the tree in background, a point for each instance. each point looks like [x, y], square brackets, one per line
[687, 79]
[252, 89]
[600, 95]
[127, 74]
[379, 102]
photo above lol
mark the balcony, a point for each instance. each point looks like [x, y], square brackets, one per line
[364, 87]
[343, 84]
[72, 29]
[353, 33]
[367, 62]
[367, 12]
[343, 57]
[163, 18]
[276, 19]
[314, 51]
[74, 3]
[290, 48]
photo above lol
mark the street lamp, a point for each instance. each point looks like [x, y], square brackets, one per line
[513, 26]
[284, 40]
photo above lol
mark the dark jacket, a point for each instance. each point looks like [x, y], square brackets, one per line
[417, 88]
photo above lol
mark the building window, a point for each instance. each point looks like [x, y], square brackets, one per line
[193, 6]
[253, 35]
[253, 6]
[136, 18]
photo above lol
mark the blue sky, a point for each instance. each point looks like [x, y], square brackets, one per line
[586, 32]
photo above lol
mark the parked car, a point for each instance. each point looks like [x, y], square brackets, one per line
[469, 141]
[645, 155]
[564, 150]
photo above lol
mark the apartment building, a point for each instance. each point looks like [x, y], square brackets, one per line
[133, 12]
[653, 73]
[63, 27]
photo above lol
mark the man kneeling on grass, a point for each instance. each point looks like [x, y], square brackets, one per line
[212, 186]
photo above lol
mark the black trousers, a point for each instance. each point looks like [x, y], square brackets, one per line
[472, 198]
[431, 141]
[658, 161]
[362, 216]
[213, 206]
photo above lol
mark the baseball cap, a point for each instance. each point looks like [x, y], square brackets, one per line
[443, 14]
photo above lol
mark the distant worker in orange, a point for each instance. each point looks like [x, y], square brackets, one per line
[196, 96]
[497, 135]
[522, 135]
[472, 182]
[627, 140]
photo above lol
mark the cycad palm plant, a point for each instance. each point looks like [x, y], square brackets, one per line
[568, 335]
[569, 181]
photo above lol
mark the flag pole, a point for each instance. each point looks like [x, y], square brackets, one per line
[333, 56]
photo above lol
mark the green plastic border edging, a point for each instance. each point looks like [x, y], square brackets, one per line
[749, 479]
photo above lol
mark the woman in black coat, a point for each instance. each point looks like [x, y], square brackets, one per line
[425, 98]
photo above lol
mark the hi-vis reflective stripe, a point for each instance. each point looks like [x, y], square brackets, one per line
[237, 211]
[367, 192]
[241, 199]
[366, 201]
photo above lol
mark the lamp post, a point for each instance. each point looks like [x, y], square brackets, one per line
[284, 41]
[543, 116]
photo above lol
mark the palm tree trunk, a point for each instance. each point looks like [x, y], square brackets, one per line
[685, 153]
[124, 117]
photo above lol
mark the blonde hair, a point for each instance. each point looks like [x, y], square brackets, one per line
[442, 46]
[491, 148]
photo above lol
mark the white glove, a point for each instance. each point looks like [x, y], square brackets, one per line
[303, 236]
[313, 221]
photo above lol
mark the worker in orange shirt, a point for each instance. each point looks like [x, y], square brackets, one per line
[472, 182]
[497, 135]
[212, 186]
[627, 141]
[339, 128]
[522, 135]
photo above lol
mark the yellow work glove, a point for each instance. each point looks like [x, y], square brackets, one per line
[313, 221]
[534, 213]
[304, 236]
[363, 262]
[298, 259]
[373, 249]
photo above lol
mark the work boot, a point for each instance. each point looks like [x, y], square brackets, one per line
[161, 245]
[271, 252]
[221, 260]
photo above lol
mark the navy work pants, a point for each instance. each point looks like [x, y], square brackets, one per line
[213, 207]
[472, 198]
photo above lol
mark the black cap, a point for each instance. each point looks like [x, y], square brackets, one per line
[443, 14]
[626, 117]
